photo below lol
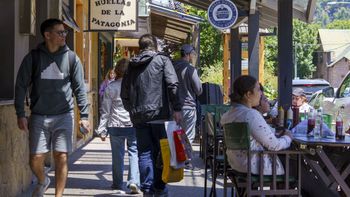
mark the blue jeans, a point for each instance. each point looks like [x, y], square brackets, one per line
[150, 163]
[118, 135]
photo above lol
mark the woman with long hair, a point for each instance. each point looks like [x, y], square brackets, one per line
[246, 94]
[115, 121]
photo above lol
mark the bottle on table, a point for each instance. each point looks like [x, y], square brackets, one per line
[290, 118]
[295, 116]
[339, 129]
[310, 123]
[318, 131]
[280, 116]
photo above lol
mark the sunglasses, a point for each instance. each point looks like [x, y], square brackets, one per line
[61, 33]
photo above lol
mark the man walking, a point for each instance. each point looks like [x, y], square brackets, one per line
[148, 85]
[190, 88]
[54, 73]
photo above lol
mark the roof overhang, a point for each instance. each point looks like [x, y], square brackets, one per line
[302, 9]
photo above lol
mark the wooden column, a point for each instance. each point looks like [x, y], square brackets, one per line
[225, 71]
[285, 53]
[253, 45]
[235, 55]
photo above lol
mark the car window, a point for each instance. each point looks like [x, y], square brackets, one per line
[309, 89]
[344, 90]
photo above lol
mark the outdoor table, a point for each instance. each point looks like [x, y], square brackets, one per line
[315, 146]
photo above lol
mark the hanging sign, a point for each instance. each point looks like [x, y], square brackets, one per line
[222, 14]
[113, 15]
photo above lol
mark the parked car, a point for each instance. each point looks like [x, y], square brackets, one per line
[332, 99]
[310, 86]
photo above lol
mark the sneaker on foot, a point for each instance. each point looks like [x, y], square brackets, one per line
[161, 192]
[41, 188]
[190, 168]
[118, 191]
[134, 189]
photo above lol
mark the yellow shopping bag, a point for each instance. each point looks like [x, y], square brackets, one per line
[169, 174]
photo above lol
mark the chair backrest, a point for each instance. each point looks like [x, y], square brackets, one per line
[209, 124]
[237, 136]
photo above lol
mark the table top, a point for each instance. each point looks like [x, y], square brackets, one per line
[327, 141]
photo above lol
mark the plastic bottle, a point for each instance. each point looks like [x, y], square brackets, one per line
[318, 131]
[280, 116]
[289, 118]
[310, 123]
[339, 129]
[295, 116]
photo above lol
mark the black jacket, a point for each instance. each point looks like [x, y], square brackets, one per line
[149, 83]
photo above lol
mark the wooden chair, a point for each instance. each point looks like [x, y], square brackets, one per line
[237, 137]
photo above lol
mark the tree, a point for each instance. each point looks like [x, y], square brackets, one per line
[342, 13]
[305, 43]
[211, 48]
[339, 24]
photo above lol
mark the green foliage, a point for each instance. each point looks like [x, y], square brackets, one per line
[339, 24]
[212, 73]
[271, 54]
[305, 43]
[211, 48]
[327, 13]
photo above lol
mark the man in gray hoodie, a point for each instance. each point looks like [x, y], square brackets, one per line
[190, 87]
[54, 73]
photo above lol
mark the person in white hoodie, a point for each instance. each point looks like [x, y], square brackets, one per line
[246, 93]
[116, 121]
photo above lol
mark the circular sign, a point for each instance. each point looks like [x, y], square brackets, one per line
[222, 14]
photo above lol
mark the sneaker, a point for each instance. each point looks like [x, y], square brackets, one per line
[41, 188]
[134, 189]
[190, 168]
[118, 191]
[161, 192]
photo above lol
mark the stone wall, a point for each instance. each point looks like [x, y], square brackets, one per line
[15, 173]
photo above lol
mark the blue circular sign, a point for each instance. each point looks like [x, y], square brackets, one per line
[222, 14]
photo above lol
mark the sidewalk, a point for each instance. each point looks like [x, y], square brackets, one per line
[90, 175]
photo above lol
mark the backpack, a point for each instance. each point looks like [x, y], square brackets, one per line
[35, 53]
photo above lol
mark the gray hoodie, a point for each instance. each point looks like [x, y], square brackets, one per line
[190, 84]
[53, 84]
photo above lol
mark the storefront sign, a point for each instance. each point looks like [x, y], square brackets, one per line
[112, 15]
[222, 14]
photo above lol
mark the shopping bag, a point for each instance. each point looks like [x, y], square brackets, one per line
[169, 174]
[179, 147]
[170, 127]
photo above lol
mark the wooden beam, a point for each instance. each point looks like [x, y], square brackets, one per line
[252, 8]
[225, 72]
[311, 7]
[253, 45]
[285, 53]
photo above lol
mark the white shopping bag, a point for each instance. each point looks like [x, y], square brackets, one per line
[170, 127]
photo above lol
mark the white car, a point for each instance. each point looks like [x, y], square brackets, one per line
[331, 100]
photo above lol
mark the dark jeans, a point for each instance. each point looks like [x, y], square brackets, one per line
[150, 164]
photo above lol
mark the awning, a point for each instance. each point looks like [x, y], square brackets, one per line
[170, 25]
[68, 19]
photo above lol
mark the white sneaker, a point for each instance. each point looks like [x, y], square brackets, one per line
[134, 189]
[41, 188]
[119, 191]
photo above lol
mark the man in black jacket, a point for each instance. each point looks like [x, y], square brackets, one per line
[148, 86]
